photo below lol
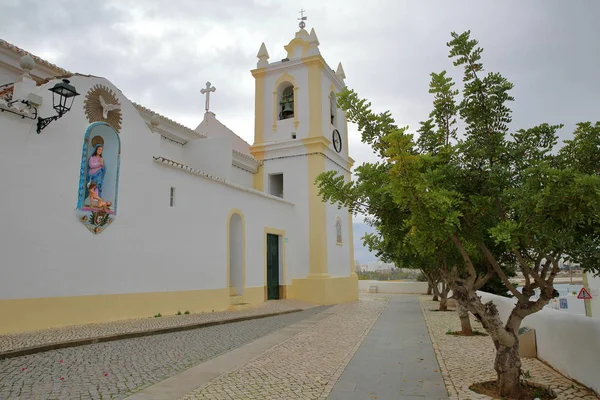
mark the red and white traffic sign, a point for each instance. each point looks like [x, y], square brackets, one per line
[584, 294]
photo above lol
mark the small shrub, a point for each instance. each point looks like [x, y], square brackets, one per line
[158, 315]
[179, 313]
[186, 312]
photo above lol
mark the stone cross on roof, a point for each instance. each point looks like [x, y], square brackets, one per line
[207, 91]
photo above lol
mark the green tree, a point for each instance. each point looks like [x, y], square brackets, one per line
[491, 199]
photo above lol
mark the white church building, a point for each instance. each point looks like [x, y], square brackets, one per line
[111, 211]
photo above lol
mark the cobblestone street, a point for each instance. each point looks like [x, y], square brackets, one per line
[113, 370]
[16, 341]
[468, 360]
[307, 365]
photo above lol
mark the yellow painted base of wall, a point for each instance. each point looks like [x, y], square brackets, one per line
[254, 295]
[20, 315]
[325, 291]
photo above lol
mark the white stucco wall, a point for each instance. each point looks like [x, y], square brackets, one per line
[149, 247]
[241, 177]
[168, 148]
[569, 343]
[6, 77]
[393, 287]
[210, 155]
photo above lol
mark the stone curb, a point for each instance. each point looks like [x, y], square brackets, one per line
[129, 335]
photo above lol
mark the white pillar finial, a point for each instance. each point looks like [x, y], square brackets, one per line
[263, 56]
[207, 91]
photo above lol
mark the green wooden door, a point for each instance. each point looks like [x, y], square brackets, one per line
[272, 267]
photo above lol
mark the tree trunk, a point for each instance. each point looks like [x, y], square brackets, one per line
[444, 297]
[443, 304]
[508, 368]
[429, 289]
[436, 290]
[465, 321]
[505, 336]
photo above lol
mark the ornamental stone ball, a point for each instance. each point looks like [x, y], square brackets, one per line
[155, 120]
[27, 63]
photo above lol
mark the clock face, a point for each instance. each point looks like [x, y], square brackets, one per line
[337, 140]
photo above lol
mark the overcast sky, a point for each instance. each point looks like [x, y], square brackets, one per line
[160, 53]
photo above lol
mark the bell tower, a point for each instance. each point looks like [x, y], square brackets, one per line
[299, 133]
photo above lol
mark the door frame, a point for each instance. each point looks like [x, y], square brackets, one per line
[282, 262]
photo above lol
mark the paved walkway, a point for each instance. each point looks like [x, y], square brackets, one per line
[395, 361]
[17, 341]
[116, 369]
[306, 366]
[467, 360]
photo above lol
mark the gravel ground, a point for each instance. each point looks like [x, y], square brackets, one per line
[468, 360]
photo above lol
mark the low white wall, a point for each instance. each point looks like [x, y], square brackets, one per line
[394, 287]
[570, 343]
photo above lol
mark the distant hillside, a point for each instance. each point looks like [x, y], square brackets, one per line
[361, 253]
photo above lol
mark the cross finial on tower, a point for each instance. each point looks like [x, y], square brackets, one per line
[207, 91]
[302, 19]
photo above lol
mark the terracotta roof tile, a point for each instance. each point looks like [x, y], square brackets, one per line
[37, 59]
[6, 90]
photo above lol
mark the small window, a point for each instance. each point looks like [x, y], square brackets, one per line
[172, 197]
[276, 185]
[333, 109]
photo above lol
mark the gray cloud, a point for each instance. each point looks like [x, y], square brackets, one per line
[160, 53]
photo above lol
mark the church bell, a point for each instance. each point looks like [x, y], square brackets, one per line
[287, 110]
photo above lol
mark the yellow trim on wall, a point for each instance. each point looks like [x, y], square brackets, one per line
[20, 315]
[346, 148]
[316, 144]
[254, 295]
[228, 230]
[291, 47]
[315, 97]
[325, 291]
[317, 219]
[259, 107]
[350, 225]
[281, 234]
[258, 180]
[351, 244]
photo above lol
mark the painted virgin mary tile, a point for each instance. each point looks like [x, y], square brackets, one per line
[99, 177]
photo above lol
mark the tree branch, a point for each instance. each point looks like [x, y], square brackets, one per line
[472, 272]
[481, 281]
[526, 270]
[488, 255]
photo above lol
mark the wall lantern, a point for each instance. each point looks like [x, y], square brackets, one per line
[61, 93]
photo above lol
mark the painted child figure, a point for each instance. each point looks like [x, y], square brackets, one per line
[95, 200]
